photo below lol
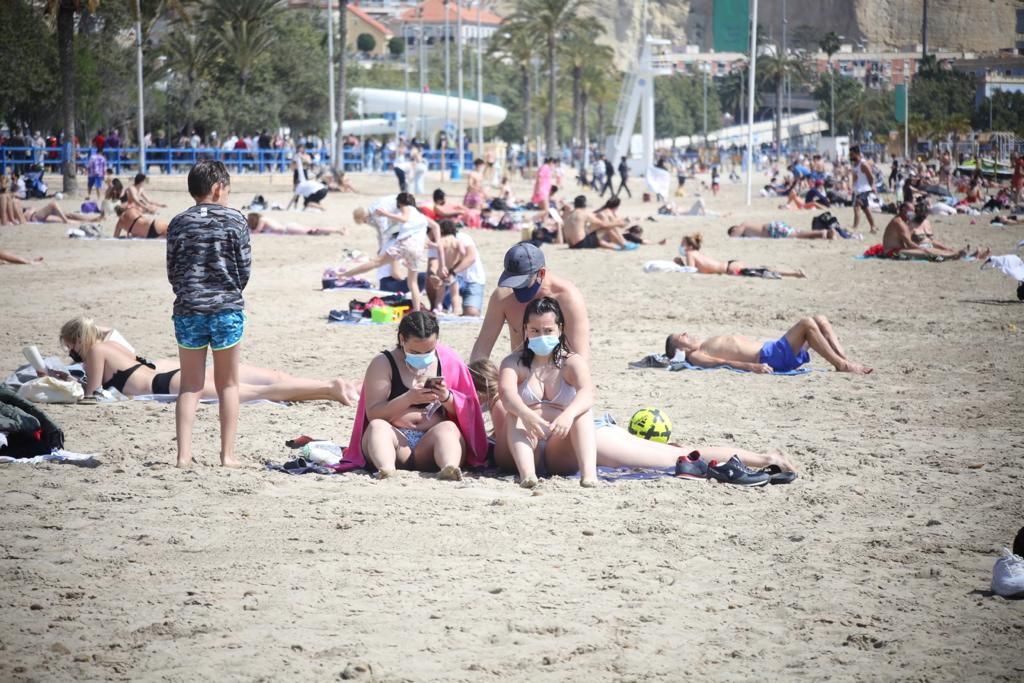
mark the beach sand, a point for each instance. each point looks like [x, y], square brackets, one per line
[874, 565]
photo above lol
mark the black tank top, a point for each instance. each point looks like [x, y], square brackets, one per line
[397, 386]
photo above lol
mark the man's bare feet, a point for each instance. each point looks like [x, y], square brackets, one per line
[450, 473]
[231, 461]
[183, 463]
[855, 368]
[801, 274]
[782, 460]
[345, 391]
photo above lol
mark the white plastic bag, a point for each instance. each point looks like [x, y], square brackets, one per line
[322, 452]
[51, 390]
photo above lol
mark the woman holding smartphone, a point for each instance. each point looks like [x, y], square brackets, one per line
[418, 408]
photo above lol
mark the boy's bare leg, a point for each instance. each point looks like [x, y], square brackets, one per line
[456, 297]
[225, 378]
[372, 264]
[191, 381]
[412, 279]
[792, 273]
[806, 332]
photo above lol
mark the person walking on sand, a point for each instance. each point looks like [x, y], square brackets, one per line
[209, 261]
[863, 186]
[623, 178]
[787, 353]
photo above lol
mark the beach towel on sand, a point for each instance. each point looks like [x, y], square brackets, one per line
[468, 416]
[342, 317]
[1009, 264]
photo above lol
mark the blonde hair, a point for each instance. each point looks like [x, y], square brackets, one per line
[694, 241]
[81, 331]
[485, 377]
[360, 215]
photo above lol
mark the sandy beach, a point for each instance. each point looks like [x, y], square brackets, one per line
[874, 565]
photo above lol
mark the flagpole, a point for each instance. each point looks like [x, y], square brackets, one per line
[750, 103]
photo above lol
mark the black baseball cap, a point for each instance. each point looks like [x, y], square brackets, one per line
[521, 262]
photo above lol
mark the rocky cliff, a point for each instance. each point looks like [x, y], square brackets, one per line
[970, 25]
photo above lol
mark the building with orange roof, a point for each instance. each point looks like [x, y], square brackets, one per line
[432, 14]
[359, 22]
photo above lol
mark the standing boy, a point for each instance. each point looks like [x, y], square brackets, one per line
[208, 264]
[97, 168]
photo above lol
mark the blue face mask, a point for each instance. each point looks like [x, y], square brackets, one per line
[543, 345]
[420, 361]
[682, 251]
[524, 295]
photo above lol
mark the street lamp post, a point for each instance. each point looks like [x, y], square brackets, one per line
[142, 116]
[330, 83]
[421, 52]
[704, 68]
[479, 81]
[460, 157]
[750, 102]
[906, 111]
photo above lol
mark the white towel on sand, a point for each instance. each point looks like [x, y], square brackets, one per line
[1009, 264]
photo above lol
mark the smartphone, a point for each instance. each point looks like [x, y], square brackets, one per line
[433, 382]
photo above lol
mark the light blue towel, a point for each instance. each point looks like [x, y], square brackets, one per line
[676, 366]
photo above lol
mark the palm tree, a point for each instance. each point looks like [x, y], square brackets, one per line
[550, 18]
[776, 68]
[830, 45]
[64, 11]
[188, 55]
[243, 29]
[514, 40]
[342, 81]
[595, 83]
[579, 48]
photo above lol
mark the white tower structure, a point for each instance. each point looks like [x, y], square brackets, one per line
[637, 97]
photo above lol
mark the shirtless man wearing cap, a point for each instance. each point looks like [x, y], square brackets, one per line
[524, 279]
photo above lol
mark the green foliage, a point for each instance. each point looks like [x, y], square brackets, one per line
[679, 106]
[366, 43]
[847, 91]
[29, 83]
[396, 46]
[829, 44]
[936, 94]
[1007, 113]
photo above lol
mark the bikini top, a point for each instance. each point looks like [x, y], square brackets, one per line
[566, 393]
[398, 386]
[120, 378]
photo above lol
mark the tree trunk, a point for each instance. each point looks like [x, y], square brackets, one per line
[342, 81]
[576, 74]
[549, 125]
[584, 129]
[66, 49]
[527, 113]
[778, 113]
[600, 124]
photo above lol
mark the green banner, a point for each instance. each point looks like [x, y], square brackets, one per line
[900, 93]
[731, 25]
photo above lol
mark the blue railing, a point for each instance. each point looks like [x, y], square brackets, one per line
[178, 160]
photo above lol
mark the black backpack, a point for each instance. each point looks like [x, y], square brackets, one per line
[29, 431]
[825, 221]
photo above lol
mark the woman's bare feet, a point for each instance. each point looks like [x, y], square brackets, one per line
[387, 474]
[345, 391]
[528, 483]
[588, 483]
[230, 461]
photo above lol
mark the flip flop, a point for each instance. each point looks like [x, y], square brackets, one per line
[300, 441]
[778, 476]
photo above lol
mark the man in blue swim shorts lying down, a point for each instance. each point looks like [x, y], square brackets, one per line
[781, 355]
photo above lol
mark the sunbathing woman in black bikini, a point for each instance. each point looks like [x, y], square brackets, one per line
[110, 364]
[134, 223]
[690, 255]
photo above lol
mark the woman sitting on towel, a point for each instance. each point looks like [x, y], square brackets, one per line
[110, 362]
[690, 255]
[258, 223]
[547, 391]
[418, 409]
[616, 447]
[133, 223]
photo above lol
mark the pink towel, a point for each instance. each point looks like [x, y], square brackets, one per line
[468, 416]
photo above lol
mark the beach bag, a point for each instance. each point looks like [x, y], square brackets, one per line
[29, 431]
[51, 390]
[90, 207]
[825, 221]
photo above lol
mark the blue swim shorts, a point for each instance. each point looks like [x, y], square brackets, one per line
[779, 230]
[219, 331]
[95, 181]
[779, 355]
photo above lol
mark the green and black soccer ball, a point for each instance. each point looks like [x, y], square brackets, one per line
[651, 424]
